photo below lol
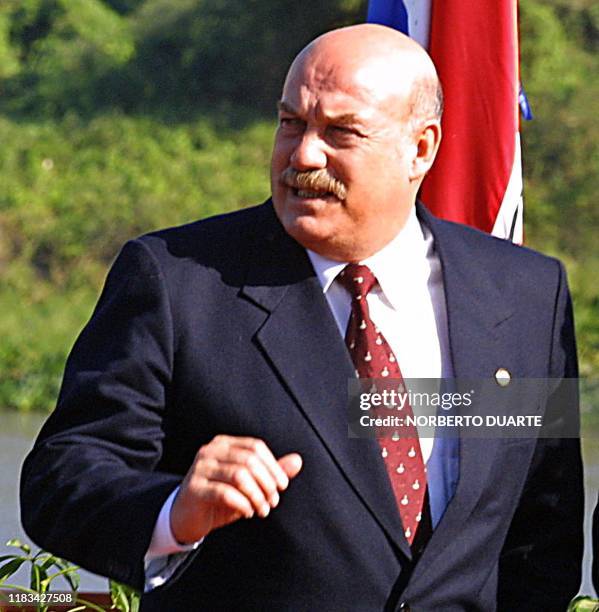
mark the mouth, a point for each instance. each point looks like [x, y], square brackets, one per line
[307, 194]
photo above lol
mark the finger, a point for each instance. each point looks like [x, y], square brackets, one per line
[239, 456]
[265, 454]
[242, 477]
[226, 497]
[223, 449]
[261, 474]
[201, 506]
[291, 464]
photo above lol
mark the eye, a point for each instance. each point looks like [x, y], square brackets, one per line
[343, 134]
[341, 129]
[291, 122]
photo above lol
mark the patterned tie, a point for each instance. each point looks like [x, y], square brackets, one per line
[373, 358]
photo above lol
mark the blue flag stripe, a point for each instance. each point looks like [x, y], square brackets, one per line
[391, 13]
[524, 104]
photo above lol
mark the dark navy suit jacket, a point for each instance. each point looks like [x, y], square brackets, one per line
[221, 327]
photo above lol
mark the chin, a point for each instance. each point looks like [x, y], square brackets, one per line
[318, 226]
[313, 234]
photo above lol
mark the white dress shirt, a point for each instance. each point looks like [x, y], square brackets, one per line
[408, 306]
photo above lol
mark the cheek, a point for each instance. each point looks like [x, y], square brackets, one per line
[278, 155]
[362, 179]
[283, 146]
[279, 162]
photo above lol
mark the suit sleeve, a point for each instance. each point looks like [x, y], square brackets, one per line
[541, 563]
[90, 491]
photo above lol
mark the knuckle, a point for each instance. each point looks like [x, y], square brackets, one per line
[203, 451]
[196, 483]
[205, 465]
[220, 494]
[251, 461]
[259, 445]
[240, 475]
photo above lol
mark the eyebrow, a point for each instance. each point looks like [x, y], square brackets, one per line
[345, 119]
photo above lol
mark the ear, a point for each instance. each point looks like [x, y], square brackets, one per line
[427, 142]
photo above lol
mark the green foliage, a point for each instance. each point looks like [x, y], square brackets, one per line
[561, 150]
[121, 116]
[123, 6]
[38, 325]
[42, 563]
[583, 604]
[9, 63]
[155, 54]
[124, 598]
[228, 51]
[71, 48]
[74, 192]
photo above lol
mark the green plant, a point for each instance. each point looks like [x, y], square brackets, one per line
[583, 604]
[105, 181]
[139, 114]
[42, 564]
[123, 597]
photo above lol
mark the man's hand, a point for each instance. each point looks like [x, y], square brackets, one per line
[230, 478]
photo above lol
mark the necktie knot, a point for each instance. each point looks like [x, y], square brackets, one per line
[357, 279]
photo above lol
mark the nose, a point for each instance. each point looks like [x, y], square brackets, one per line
[309, 154]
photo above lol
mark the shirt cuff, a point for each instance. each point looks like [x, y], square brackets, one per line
[163, 541]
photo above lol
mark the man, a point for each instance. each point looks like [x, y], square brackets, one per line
[200, 443]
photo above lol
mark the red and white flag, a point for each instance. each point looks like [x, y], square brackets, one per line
[477, 177]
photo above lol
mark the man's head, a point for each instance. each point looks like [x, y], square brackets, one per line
[359, 127]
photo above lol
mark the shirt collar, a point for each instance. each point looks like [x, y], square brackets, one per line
[398, 265]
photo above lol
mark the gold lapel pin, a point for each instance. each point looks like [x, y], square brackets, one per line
[502, 377]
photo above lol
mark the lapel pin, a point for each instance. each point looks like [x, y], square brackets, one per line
[502, 377]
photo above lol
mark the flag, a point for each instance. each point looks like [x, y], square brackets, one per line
[477, 176]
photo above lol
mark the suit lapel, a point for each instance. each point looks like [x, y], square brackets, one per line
[302, 342]
[474, 327]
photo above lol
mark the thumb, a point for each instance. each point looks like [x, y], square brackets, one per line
[291, 464]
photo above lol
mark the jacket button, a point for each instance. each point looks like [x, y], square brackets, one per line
[403, 607]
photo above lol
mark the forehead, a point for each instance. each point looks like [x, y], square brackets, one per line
[327, 87]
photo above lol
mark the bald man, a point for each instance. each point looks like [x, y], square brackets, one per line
[200, 448]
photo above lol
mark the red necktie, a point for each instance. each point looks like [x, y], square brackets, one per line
[373, 358]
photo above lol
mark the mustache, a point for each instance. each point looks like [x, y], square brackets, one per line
[314, 180]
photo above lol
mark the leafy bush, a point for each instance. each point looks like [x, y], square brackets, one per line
[583, 604]
[69, 50]
[45, 568]
[74, 192]
[105, 135]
